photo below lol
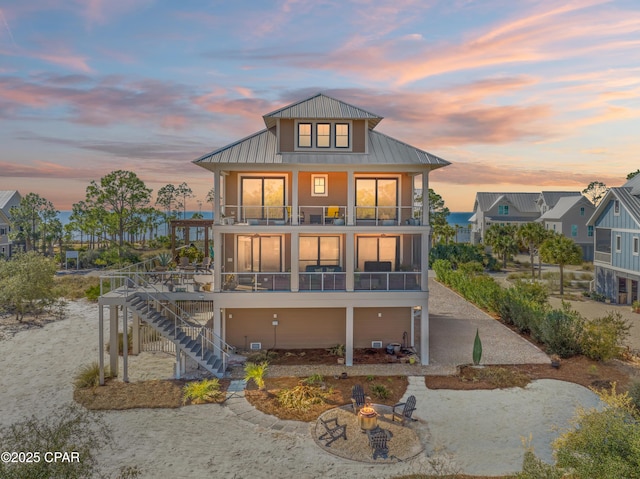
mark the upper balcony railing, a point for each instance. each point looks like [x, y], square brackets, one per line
[335, 215]
[602, 257]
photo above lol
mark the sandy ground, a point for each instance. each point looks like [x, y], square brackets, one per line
[474, 431]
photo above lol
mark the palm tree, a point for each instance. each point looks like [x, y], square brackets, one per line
[531, 236]
[503, 240]
[560, 250]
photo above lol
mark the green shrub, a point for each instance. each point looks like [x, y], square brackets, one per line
[535, 468]
[89, 376]
[301, 397]
[200, 392]
[587, 267]
[602, 338]
[634, 394]
[604, 444]
[560, 330]
[75, 287]
[121, 342]
[337, 350]
[255, 372]
[379, 391]
[457, 253]
[516, 307]
[314, 379]
[68, 429]
[265, 356]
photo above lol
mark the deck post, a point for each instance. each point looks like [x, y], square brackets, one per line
[350, 255]
[125, 345]
[295, 262]
[113, 339]
[178, 368]
[101, 342]
[135, 333]
[424, 332]
[217, 331]
[349, 335]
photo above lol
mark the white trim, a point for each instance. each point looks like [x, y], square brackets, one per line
[332, 141]
[616, 202]
[618, 243]
[635, 246]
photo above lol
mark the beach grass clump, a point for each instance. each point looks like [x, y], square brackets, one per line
[301, 397]
[201, 392]
[89, 376]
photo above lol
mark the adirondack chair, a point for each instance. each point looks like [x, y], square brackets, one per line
[378, 441]
[403, 411]
[358, 399]
[333, 431]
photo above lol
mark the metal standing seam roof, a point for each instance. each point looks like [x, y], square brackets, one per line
[550, 198]
[5, 196]
[629, 201]
[321, 106]
[634, 184]
[562, 207]
[261, 148]
[523, 202]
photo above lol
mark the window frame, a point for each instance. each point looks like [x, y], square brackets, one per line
[298, 135]
[590, 230]
[616, 207]
[313, 184]
[348, 135]
[328, 135]
[503, 210]
[635, 246]
[574, 231]
[618, 243]
[582, 211]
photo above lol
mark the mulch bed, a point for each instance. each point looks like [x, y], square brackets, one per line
[294, 357]
[339, 394]
[579, 370]
[116, 395]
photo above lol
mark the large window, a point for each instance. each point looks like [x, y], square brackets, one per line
[263, 198]
[503, 209]
[259, 253]
[603, 240]
[304, 135]
[380, 250]
[574, 230]
[590, 231]
[376, 198]
[319, 251]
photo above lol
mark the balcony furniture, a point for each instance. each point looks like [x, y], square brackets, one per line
[377, 266]
[205, 265]
[404, 410]
[333, 431]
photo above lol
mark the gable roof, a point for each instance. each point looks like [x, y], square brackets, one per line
[550, 198]
[634, 184]
[523, 202]
[323, 107]
[261, 148]
[563, 206]
[628, 200]
[5, 197]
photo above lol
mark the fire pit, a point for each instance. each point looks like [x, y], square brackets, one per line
[367, 418]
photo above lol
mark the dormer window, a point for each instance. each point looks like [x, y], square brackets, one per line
[304, 135]
[342, 135]
[323, 132]
[323, 135]
[503, 210]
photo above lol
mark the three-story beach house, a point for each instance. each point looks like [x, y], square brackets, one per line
[317, 238]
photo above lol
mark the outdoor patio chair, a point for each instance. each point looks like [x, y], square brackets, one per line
[333, 431]
[378, 438]
[403, 411]
[358, 399]
[205, 265]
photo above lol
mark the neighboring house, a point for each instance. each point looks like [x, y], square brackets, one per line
[317, 240]
[568, 217]
[503, 209]
[8, 199]
[616, 221]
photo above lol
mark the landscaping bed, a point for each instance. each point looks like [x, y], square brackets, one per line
[338, 394]
[293, 357]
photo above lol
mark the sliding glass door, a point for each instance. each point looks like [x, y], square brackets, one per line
[263, 198]
[378, 252]
[379, 194]
[319, 251]
[259, 253]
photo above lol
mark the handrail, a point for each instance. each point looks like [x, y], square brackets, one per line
[178, 320]
[178, 317]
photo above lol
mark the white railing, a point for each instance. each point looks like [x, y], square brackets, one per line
[243, 282]
[387, 281]
[323, 215]
[323, 281]
[602, 257]
[130, 283]
[389, 215]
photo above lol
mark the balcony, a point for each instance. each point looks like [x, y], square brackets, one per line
[326, 215]
[601, 257]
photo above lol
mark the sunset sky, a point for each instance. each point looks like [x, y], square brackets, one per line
[517, 95]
